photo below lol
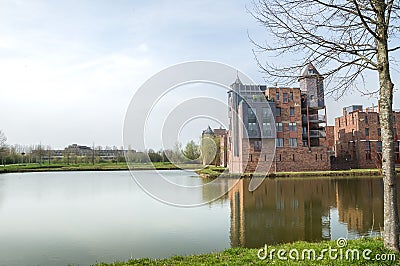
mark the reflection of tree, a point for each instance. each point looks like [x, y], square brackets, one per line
[217, 189]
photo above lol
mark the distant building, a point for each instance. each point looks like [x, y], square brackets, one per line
[220, 136]
[358, 141]
[78, 150]
[291, 119]
[84, 153]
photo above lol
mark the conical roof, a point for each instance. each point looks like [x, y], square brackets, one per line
[237, 81]
[208, 131]
[309, 70]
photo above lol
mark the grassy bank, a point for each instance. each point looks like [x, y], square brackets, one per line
[18, 168]
[244, 256]
[208, 172]
[213, 172]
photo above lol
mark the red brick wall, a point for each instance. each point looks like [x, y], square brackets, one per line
[330, 137]
[350, 138]
[304, 159]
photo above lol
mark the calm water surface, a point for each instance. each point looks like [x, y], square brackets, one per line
[65, 218]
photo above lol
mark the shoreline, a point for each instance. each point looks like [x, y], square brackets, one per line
[208, 173]
[214, 172]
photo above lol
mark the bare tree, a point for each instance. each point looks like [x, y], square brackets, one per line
[40, 152]
[49, 153]
[351, 38]
[3, 140]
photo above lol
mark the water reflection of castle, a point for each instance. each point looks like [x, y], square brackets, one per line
[286, 210]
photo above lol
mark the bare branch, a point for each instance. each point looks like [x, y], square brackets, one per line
[363, 20]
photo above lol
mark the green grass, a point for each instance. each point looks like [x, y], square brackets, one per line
[245, 256]
[210, 171]
[109, 166]
[213, 172]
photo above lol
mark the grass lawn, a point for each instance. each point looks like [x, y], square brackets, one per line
[34, 167]
[245, 256]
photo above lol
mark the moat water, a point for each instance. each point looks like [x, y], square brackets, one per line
[62, 218]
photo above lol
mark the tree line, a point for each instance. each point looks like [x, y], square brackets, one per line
[42, 154]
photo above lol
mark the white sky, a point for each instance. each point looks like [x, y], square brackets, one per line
[68, 69]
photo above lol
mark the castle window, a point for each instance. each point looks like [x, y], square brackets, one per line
[316, 157]
[266, 129]
[366, 119]
[292, 127]
[277, 96]
[257, 145]
[280, 157]
[379, 131]
[321, 156]
[293, 157]
[265, 113]
[367, 145]
[279, 127]
[293, 142]
[285, 98]
[252, 129]
[279, 142]
[291, 96]
[396, 146]
[368, 155]
[367, 132]
[311, 71]
[291, 111]
[278, 111]
[250, 114]
[379, 146]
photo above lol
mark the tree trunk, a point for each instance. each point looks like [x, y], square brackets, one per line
[390, 208]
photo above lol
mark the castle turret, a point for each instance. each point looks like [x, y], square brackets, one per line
[208, 131]
[312, 106]
[312, 84]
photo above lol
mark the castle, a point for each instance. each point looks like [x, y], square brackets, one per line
[291, 120]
